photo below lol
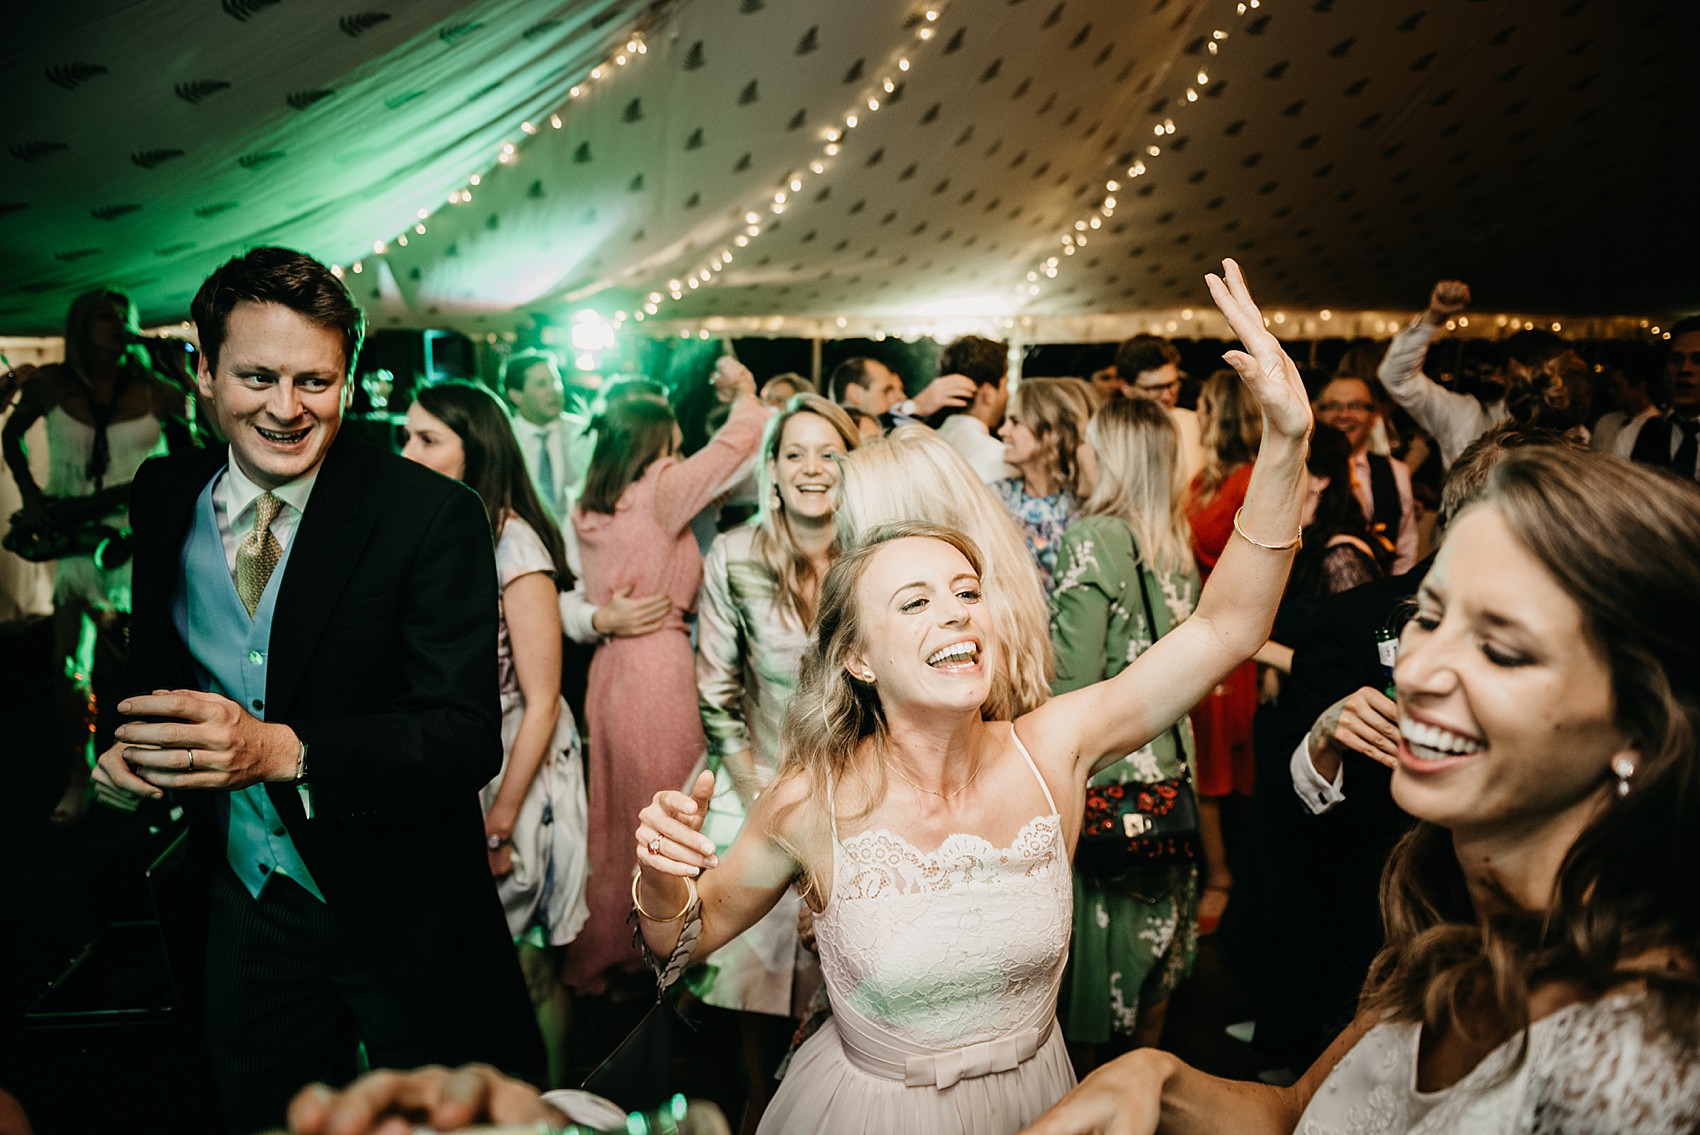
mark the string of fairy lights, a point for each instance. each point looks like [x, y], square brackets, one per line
[635, 46]
[833, 134]
[1076, 235]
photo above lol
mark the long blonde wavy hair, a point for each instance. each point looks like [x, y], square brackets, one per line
[796, 590]
[915, 475]
[833, 712]
[1140, 479]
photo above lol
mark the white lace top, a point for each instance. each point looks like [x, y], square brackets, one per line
[1593, 1068]
[949, 947]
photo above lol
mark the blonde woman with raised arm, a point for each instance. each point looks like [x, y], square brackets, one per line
[930, 834]
[931, 837]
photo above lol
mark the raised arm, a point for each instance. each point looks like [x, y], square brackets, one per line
[686, 487]
[1109, 719]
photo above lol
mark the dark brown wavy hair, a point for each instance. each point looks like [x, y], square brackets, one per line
[1623, 541]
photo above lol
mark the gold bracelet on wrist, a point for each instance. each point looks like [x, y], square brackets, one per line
[1296, 542]
[690, 900]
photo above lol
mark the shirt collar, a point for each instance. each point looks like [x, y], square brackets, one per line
[242, 492]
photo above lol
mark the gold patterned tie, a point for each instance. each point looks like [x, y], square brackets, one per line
[258, 553]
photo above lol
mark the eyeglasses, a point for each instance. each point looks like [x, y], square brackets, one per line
[1156, 387]
[1338, 407]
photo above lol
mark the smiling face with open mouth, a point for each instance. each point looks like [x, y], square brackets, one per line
[924, 637]
[1506, 711]
[278, 390]
[806, 465]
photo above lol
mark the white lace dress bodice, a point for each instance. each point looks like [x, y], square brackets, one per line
[942, 967]
[948, 947]
[1592, 1068]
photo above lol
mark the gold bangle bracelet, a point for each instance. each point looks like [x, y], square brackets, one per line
[1296, 542]
[690, 900]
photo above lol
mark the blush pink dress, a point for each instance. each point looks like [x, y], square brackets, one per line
[641, 700]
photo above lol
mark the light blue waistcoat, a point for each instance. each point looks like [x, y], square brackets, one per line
[231, 653]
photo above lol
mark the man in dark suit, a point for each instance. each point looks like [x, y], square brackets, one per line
[1672, 440]
[323, 705]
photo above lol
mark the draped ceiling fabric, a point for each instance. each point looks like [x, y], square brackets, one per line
[1348, 152]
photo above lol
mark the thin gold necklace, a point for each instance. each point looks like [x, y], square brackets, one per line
[957, 791]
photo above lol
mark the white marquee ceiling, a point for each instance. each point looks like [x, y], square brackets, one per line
[1347, 151]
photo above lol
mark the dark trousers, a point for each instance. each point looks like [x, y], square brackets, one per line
[288, 996]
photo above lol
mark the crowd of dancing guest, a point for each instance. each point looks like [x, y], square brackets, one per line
[839, 768]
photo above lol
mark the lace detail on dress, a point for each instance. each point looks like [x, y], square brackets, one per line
[950, 947]
[1592, 1068]
[880, 862]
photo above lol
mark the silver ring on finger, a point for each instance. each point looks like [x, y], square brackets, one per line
[191, 767]
[654, 846]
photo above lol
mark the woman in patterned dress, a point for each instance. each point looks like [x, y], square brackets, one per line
[1043, 430]
[1134, 933]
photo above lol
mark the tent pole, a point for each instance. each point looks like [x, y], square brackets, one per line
[814, 360]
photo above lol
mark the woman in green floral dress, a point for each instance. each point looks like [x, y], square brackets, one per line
[1135, 933]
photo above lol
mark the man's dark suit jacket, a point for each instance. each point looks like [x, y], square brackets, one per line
[1326, 925]
[383, 660]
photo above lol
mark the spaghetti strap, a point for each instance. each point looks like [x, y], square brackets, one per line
[1043, 787]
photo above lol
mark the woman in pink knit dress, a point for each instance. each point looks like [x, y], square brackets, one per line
[634, 531]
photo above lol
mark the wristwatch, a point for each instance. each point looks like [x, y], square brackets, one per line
[497, 842]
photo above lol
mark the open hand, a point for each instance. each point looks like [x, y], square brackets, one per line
[394, 1102]
[1263, 366]
[205, 741]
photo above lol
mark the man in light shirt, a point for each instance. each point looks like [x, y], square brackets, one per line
[972, 429]
[552, 441]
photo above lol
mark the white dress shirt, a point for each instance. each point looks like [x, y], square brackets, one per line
[1617, 432]
[233, 508]
[1315, 793]
[569, 456]
[973, 439]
